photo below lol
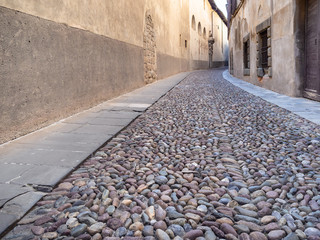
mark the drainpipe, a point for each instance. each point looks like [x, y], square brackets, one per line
[212, 21]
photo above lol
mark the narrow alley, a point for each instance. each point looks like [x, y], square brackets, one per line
[207, 161]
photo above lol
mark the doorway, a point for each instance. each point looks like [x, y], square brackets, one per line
[312, 32]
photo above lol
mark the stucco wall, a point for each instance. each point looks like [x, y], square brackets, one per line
[251, 14]
[60, 57]
[199, 33]
[50, 71]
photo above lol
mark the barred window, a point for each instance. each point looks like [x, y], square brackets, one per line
[246, 54]
[264, 49]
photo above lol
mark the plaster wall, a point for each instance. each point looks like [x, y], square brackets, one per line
[220, 34]
[121, 20]
[201, 10]
[250, 15]
[60, 57]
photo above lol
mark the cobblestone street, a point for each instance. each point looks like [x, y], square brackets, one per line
[207, 161]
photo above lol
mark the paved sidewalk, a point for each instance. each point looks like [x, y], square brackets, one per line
[35, 163]
[303, 107]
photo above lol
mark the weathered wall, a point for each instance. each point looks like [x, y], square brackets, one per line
[251, 14]
[49, 71]
[121, 20]
[60, 57]
[205, 20]
[221, 46]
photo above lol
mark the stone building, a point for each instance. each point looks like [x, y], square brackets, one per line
[60, 57]
[274, 44]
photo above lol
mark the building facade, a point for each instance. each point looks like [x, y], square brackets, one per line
[61, 57]
[274, 44]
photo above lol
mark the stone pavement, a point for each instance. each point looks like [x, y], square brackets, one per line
[34, 164]
[206, 161]
[303, 107]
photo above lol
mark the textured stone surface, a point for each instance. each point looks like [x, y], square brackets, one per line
[206, 161]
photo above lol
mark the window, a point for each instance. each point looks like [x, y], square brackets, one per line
[185, 43]
[193, 23]
[264, 49]
[204, 32]
[199, 29]
[264, 61]
[246, 56]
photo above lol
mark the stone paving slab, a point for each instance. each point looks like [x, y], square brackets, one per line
[6, 220]
[16, 208]
[9, 192]
[22, 203]
[303, 107]
[46, 156]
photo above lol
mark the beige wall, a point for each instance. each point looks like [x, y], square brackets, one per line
[121, 20]
[63, 56]
[220, 34]
[251, 14]
[124, 21]
[209, 21]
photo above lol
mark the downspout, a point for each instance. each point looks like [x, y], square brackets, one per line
[212, 21]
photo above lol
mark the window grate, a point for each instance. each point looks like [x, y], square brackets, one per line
[246, 54]
[264, 49]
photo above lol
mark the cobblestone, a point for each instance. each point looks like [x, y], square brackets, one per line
[207, 161]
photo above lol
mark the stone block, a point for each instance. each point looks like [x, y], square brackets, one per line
[269, 42]
[260, 72]
[269, 61]
[44, 175]
[22, 203]
[9, 191]
[6, 220]
[246, 72]
[269, 32]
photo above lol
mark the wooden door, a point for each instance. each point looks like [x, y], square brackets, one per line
[312, 82]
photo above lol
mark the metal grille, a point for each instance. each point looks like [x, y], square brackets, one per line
[246, 55]
[264, 49]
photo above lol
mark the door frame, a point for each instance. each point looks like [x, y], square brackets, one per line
[308, 94]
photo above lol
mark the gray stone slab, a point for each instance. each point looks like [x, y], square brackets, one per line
[48, 157]
[62, 127]
[22, 203]
[9, 191]
[147, 99]
[96, 130]
[117, 114]
[43, 175]
[6, 220]
[9, 172]
[81, 137]
[109, 121]
[102, 113]
[52, 145]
